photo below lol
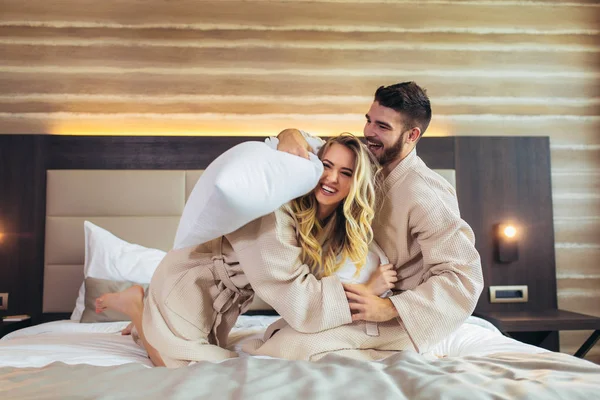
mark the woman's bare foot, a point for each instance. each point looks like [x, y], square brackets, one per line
[128, 302]
[127, 330]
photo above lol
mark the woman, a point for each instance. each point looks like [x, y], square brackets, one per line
[288, 257]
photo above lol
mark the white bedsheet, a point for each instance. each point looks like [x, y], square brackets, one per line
[102, 344]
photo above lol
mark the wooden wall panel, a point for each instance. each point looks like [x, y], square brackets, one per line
[86, 54]
[294, 14]
[154, 82]
[510, 193]
[22, 221]
[501, 68]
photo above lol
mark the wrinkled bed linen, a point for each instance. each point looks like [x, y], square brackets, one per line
[406, 375]
[101, 344]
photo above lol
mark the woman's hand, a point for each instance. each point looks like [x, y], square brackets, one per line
[128, 329]
[382, 280]
[292, 141]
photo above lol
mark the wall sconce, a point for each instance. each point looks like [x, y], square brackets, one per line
[507, 249]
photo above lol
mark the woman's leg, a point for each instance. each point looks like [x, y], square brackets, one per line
[131, 303]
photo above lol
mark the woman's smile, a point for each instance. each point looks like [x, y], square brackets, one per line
[327, 190]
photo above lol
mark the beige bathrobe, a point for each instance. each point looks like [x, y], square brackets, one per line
[440, 279]
[197, 293]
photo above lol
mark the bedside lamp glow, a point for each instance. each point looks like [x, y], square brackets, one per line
[507, 249]
[509, 231]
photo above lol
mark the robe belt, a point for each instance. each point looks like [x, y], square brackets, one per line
[371, 328]
[228, 296]
[231, 293]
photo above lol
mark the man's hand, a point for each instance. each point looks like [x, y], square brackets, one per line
[365, 306]
[292, 141]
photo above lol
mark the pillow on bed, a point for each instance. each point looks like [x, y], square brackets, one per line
[95, 288]
[246, 182]
[109, 257]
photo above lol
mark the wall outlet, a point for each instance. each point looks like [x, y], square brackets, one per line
[3, 301]
[509, 294]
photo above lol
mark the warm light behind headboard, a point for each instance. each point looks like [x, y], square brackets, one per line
[211, 125]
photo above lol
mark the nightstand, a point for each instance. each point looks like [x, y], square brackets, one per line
[11, 326]
[536, 327]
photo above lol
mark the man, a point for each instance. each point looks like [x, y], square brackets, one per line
[418, 227]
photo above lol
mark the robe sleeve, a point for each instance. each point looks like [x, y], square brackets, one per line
[453, 279]
[270, 257]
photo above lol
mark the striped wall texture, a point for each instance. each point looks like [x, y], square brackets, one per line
[254, 67]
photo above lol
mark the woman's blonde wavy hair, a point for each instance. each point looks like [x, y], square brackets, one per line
[347, 233]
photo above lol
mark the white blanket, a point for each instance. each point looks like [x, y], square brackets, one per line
[406, 375]
[101, 344]
[66, 359]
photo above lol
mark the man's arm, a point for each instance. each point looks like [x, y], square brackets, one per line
[451, 286]
[270, 258]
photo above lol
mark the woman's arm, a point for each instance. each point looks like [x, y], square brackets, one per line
[297, 142]
[269, 254]
[382, 280]
[292, 141]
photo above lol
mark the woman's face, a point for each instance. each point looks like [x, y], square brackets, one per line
[336, 181]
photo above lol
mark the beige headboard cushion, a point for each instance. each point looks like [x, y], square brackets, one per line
[141, 207]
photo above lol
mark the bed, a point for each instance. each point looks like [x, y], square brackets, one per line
[67, 359]
[138, 196]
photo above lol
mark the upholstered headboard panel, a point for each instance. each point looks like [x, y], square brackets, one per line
[139, 206]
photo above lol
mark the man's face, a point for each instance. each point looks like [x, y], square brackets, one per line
[384, 133]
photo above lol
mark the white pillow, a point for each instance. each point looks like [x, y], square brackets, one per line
[246, 182]
[108, 257]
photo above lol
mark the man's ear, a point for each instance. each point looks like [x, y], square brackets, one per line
[413, 135]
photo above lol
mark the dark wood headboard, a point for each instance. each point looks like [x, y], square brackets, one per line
[498, 179]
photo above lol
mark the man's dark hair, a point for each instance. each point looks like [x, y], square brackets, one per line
[410, 100]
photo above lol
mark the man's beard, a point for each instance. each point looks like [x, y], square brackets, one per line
[392, 153]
